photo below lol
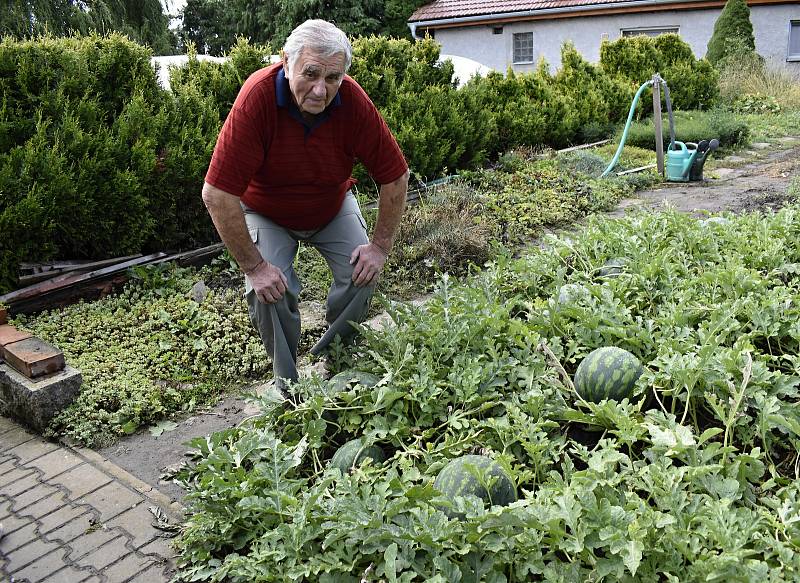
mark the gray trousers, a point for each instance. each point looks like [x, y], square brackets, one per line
[278, 324]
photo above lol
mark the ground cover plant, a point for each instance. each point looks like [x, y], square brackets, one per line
[155, 350]
[694, 478]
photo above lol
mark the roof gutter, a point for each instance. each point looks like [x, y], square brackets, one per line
[524, 13]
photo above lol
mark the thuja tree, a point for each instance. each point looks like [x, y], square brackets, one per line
[733, 32]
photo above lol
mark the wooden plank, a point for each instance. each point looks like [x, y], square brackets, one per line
[49, 272]
[657, 121]
[639, 169]
[583, 146]
[63, 289]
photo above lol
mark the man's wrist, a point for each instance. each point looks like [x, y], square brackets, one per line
[252, 269]
[382, 249]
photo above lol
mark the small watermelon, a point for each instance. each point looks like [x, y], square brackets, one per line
[352, 453]
[340, 381]
[570, 293]
[612, 268]
[457, 479]
[607, 373]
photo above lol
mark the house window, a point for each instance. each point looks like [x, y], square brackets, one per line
[497, 30]
[523, 47]
[794, 41]
[649, 31]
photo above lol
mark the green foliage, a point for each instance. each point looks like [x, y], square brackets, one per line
[95, 159]
[692, 83]
[142, 20]
[213, 25]
[692, 126]
[733, 33]
[700, 487]
[148, 352]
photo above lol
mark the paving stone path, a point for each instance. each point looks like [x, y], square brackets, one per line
[68, 515]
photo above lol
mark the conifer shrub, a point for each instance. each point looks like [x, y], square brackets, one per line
[692, 82]
[733, 33]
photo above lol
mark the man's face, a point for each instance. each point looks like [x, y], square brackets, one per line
[314, 80]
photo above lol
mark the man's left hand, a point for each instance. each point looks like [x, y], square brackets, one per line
[369, 260]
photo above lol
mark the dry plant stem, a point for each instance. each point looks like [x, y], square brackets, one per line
[554, 360]
[748, 369]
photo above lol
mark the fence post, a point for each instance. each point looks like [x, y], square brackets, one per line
[657, 122]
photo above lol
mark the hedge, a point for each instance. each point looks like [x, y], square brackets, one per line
[96, 160]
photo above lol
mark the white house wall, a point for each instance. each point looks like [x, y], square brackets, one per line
[770, 24]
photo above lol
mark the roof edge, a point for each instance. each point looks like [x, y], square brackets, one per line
[580, 10]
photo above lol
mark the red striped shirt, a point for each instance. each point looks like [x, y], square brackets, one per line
[294, 175]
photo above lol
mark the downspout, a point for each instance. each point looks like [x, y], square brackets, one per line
[413, 28]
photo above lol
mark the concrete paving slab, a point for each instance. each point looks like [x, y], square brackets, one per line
[70, 515]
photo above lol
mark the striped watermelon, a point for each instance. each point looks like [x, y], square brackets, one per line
[352, 453]
[612, 268]
[457, 479]
[346, 378]
[607, 373]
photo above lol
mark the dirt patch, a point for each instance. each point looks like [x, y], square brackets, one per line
[736, 184]
[751, 180]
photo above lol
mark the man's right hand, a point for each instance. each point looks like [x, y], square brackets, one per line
[269, 283]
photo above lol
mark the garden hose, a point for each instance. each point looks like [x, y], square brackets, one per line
[627, 127]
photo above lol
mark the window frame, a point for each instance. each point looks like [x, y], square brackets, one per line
[794, 25]
[514, 48]
[644, 30]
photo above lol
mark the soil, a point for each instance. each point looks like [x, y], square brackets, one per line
[755, 179]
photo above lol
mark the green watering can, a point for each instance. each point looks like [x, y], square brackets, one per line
[679, 162]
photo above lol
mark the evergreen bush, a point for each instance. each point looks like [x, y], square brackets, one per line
[692, 82]
[733, 33]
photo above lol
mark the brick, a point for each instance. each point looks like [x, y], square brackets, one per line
[10, 473]
[32, 496]
[111, 500]
[82, 526]
[17, 487]
[152, 575]
[12, 540]
[131, 564]
[30, 450]
[42, 568]
[61, 517]
[34, 357]
[14, 437]
[160, 548]
[12, 523]
[102, 557]
[9, 334]
[137, 522]
[57, 462]
[3, 315]
[92, 539]
[74, 575]
[45, 506]
[81, 480]
[24, 556]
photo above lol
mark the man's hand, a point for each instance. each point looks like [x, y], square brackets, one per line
[369, 260]
[269, 283]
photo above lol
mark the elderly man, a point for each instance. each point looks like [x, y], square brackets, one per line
[281, 173]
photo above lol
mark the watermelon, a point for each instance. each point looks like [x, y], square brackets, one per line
[570, 293]
[341, 381]
[607, 373]
[352, 453]
[612, 268]
[457, 479]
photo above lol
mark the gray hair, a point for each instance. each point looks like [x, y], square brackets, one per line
[321, 38]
